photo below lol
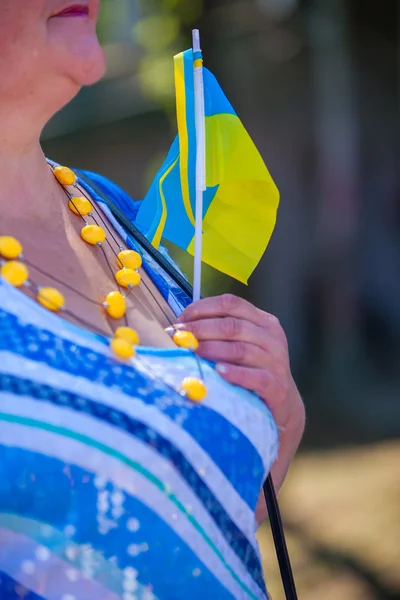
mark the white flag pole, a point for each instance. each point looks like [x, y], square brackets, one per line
[200, 164]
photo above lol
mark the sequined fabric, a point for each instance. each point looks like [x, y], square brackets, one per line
[112, 485]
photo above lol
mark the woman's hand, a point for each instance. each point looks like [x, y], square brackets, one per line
[250, 349]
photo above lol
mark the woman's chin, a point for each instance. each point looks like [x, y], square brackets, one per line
[78, 54]
[90, 66]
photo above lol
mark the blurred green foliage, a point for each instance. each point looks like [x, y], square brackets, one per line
[159, 31]
[111, 14]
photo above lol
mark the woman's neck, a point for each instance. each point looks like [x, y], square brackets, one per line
[23, 168]
[27, 184]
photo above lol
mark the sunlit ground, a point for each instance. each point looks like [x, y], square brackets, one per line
[342, 515]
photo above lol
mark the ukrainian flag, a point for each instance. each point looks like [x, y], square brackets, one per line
[241, 199]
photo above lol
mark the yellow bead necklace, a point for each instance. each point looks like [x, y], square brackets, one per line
[14, 269]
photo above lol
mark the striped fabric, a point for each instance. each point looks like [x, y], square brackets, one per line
[113, 486]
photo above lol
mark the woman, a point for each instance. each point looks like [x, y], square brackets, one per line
[125, 472]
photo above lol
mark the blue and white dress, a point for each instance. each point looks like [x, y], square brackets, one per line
[112, 486]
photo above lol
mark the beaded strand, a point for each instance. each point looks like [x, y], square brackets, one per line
[14, 269]
[125, 258]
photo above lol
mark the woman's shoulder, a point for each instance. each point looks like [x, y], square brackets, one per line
[120, 197]
[102, 188]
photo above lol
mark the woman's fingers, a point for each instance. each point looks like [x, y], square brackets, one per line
[250, 378]
[272, 390]
[226, 305]
[229, 329]
[236, 353]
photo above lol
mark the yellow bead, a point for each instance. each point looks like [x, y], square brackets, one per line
[185, 339]
[64, 176]
[194, 389]
[122, 349]
[127, 278]
[51, 299]
[93, 234]
[15, 272]
[10, 247]
[129, 259]
[115, 305]
[80, 206]
[128, 334]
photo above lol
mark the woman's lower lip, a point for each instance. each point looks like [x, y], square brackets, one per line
[73, 13]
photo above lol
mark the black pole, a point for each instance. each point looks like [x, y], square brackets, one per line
[279, 540]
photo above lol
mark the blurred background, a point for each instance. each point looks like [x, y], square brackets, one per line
[317, 84]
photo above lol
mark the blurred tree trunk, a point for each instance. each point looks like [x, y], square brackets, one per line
[337, 167]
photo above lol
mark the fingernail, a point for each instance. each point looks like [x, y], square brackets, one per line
[221, 369]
